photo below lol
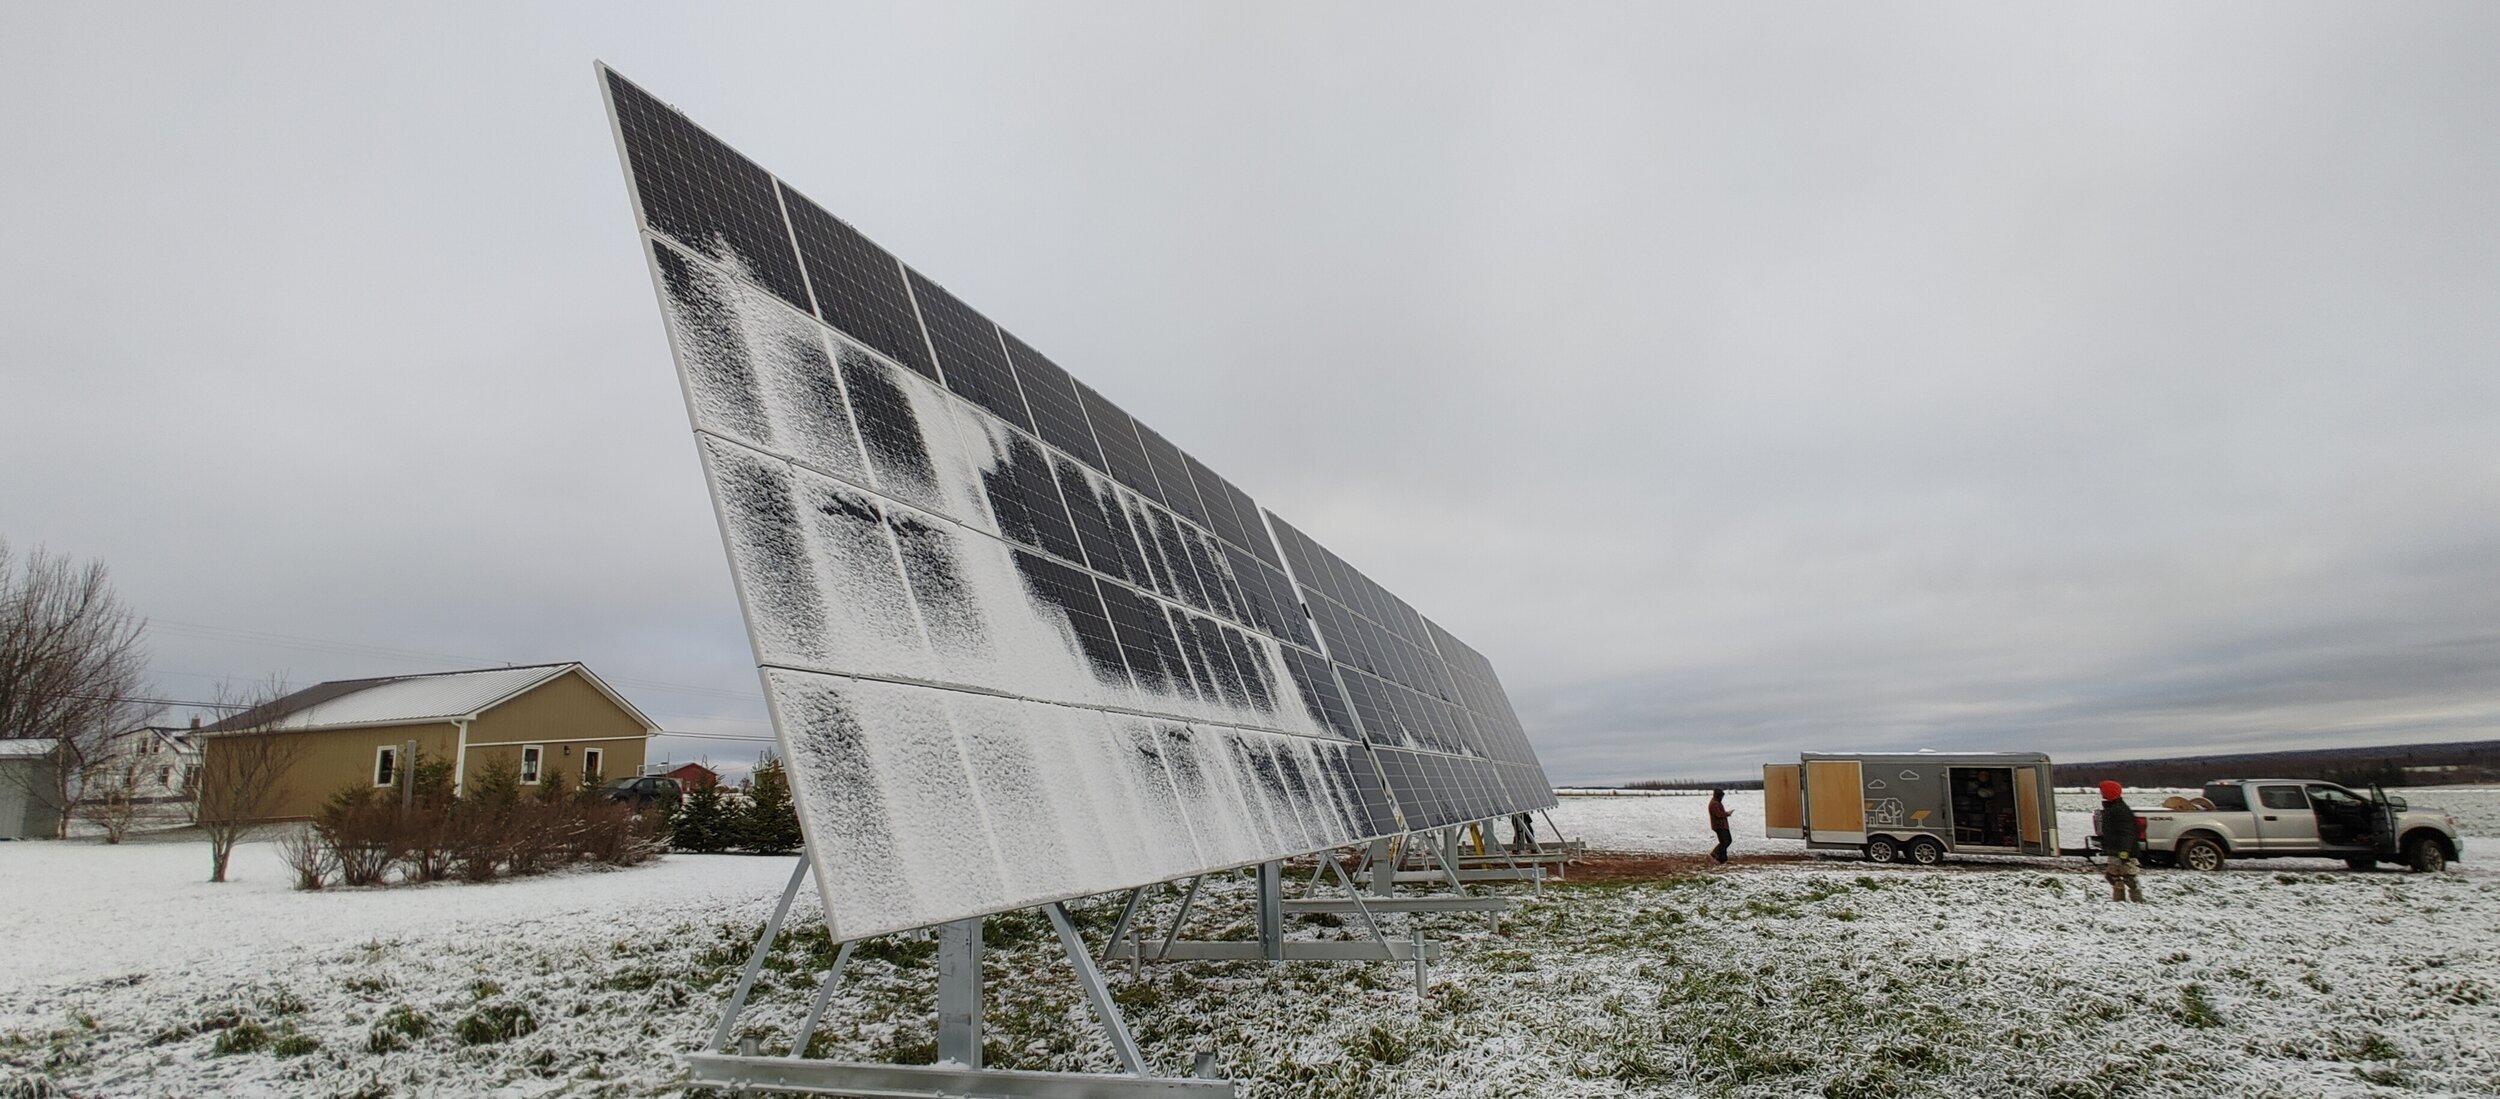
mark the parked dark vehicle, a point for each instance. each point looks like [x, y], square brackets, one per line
[643, 790]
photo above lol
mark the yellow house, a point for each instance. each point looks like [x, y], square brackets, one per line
[541, 722]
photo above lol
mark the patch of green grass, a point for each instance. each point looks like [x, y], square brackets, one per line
[2195, 1008]
[247, 1036]
[397, 1029]
[291, 1042]
[1380, 1043]
[491, 1023]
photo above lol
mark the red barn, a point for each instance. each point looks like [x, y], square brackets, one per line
[695, 776]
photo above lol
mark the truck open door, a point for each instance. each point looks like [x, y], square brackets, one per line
[1783, 802]
[1835, 808]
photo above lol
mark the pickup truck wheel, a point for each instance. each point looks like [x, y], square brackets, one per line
[2426, 856]
[2199, 853]
[1882, 849]
[1926, 852]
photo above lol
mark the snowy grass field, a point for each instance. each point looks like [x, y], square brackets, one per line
[1783, 975]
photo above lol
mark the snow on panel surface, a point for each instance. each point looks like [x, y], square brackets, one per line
[1005, 669]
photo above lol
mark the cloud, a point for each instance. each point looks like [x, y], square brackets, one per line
[1738, 382]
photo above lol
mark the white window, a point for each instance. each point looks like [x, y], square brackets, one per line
[592, 758]
[385, 764]
[531, 754]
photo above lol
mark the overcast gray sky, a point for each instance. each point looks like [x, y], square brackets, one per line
[2108, 381]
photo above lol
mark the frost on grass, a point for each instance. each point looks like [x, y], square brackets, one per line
[1809, 979]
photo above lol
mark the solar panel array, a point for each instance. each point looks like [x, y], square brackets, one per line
[1018, 646]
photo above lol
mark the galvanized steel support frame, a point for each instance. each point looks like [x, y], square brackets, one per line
[959, 1073]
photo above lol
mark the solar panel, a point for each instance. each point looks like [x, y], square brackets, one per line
[1018, 646]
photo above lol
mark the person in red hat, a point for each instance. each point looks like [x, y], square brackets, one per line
[2122, 839]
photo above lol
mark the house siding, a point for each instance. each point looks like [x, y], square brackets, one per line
[566, 716]
[332, 760]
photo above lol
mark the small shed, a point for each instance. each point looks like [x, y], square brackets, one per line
[30, 781]
[538, 723]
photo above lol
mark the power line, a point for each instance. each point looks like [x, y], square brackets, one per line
[723, 736]
[316, 644]
[200, 705]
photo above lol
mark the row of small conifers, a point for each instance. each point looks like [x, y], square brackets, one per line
[496, 828]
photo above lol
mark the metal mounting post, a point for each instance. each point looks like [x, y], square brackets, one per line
[1384, 866]
[1104, 1008]
[1182, 916]
[755, 961]
[1423, 985]
[1128, 912]
[959, 992]
[1272, 910]
[1271, 944]
[1354, 895]
[958, 1073]
[824, 995]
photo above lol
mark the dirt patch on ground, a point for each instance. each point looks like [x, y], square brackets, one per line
[1600, 866]
[1606, 866]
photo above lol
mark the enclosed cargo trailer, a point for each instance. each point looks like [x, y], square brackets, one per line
[1920, 806]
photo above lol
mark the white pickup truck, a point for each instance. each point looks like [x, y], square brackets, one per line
[2262, 818]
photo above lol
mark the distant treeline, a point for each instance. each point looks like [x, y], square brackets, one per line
[2391, 765]
[2470, 761]
[1694, 784]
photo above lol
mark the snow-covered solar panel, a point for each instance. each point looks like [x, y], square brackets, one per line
[1018, 646]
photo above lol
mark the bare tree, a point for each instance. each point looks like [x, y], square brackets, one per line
[245, 767]
[70, 662]
[109, 798]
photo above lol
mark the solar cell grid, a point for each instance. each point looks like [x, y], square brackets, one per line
[1139, 515]
[1124, 456]
[1024, 495]
[1109, 550]
[1058, 410]
[972, 581]
[1218, 502]
[1075, 596]
[704, 195]
[1172, 475]
[858, 286]
[969, 355]
[1253, 527]
[1146, 642]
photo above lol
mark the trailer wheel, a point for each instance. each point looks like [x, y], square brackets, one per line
[1882, 849]
[2425, 855]
[1926, 852]
[2200, 853]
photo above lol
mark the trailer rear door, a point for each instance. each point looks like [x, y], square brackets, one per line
[2027, 812]
[1835, 801]
[1783, 802]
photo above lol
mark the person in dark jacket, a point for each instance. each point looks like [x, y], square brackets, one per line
[1718, 824]
[2122, 839]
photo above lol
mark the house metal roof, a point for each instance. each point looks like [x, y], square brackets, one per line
[398, 700]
